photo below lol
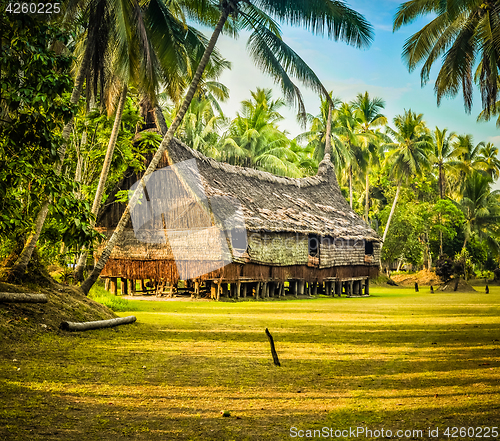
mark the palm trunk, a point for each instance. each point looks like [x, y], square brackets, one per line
[367, 198]
[350, 185]
[103, 178]
[328, 135]
[20, 265]
[391, 213]
[92, 278]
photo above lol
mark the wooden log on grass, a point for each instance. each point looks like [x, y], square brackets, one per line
[273, 349]
[99, 324]
[24, 297]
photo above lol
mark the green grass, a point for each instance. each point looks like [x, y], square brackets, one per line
[113, 302]
[398, 360]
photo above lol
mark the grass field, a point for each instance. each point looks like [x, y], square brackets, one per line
[395, 361]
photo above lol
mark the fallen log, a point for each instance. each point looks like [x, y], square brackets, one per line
[99, 324]
[273, 350]
[22, 297]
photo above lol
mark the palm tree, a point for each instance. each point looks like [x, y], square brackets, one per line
[489, 160]
[347, 127]
[481, 208]
[463, 34]
[270, 53]
[467, 161]
[367, 112]
[254, 139]
[443, 159]
[444, 153]
[409, 154]
[321, 130]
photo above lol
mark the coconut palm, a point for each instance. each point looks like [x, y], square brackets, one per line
[481, 208]
[468, 161]
[367, 111]
[347, 128]
[320, 131]
[462, 34]
[270, 53]
[489, 160]
[255, 140]
[409, 154]
[445, 153]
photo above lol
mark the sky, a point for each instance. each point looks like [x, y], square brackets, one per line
[348, 71]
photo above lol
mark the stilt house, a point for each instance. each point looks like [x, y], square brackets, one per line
[293, 236]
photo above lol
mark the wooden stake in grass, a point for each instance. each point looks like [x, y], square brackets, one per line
[273, 350]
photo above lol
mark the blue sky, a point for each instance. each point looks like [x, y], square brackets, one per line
[348, 71]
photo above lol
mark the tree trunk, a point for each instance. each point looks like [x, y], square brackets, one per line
[100, 324]
[367, 198]
[161, 125]
[89, 282]
[350, 185]
[17, 297]
[391, 213]
[19, 267]
[328, 134]
[103, 178]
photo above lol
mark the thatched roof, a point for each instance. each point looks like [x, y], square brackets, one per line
[311, 205]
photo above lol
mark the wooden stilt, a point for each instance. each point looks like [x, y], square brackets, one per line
[197, 289]
[114, 285]
[133, 289]
[282, 289]
[213, 290]
[314, 288]
[338, 287]
[367, 287]
[106, 284]
[350, 286]
[244, 290]
[143, 286]
[219, 291]
[238, 290]
[257, 289]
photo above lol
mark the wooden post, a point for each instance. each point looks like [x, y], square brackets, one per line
[338, 287]
[350, 287]
[106, 284]
[238, 290]
[257, 289]
[273, 349]
[282, 289]
[143, 286]
[367, 286]
[315, 288]
[114, 285]
[272, 289]
[244, 290]
[132, 287]
[213, 290]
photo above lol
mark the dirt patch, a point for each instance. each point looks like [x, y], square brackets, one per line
[65, 303]
[424, 277]
[463, 286]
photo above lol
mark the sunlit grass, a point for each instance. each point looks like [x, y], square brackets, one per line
[397, 360]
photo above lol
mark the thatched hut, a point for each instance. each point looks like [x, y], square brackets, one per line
[300, 235]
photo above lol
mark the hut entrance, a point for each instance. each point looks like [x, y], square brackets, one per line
[368, 248]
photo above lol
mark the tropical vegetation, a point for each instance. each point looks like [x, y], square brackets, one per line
[66, 141]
